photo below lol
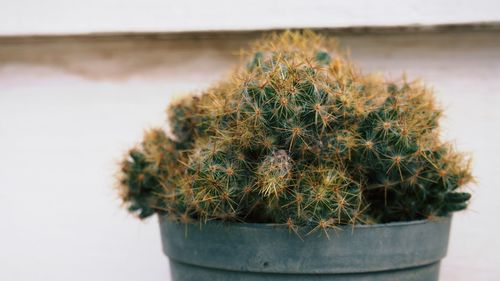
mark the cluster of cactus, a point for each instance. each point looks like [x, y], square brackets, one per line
[298, 136]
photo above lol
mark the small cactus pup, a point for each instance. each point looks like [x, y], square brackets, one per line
[147, 177]
[298, 138]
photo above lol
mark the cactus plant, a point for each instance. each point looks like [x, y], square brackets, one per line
[298, 136]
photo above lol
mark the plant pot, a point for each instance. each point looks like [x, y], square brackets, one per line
[400, 251]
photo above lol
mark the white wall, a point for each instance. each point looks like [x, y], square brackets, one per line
[70, 17]
[69, 109]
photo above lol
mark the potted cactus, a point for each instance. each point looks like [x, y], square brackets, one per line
[300, 167]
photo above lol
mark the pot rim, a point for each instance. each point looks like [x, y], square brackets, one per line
[282, 225]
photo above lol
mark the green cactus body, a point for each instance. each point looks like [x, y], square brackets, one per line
[299, 137]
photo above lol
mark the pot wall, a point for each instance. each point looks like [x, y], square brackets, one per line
[217, 251]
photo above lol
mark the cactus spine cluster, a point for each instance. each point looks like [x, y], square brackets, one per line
[300, 137]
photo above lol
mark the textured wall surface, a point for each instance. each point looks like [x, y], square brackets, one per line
[70, 107]
[69, 17]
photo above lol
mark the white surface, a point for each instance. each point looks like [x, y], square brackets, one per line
[61, 135]
[70, 17]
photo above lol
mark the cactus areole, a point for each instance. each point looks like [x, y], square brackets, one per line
[298, 140]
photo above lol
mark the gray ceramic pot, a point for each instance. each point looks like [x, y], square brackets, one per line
[235, 252]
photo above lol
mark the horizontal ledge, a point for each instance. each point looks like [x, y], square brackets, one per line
[228, 34]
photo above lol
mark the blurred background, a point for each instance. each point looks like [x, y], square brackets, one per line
[79, 81]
